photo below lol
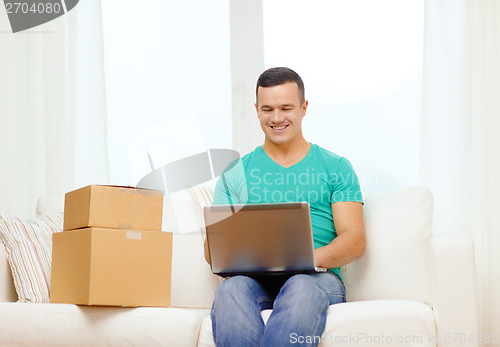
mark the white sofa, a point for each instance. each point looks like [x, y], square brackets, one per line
[409, 289]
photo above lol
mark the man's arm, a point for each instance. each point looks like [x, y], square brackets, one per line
[350, 241]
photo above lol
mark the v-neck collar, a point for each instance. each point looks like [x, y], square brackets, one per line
[281, 167]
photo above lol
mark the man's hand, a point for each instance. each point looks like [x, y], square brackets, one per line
[207, 253]
[350, 241]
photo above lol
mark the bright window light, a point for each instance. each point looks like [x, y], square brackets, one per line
[361, 62]
[169, 62]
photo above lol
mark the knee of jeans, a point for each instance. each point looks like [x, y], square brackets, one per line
[234, 285]
[301, 284]
[303, 295]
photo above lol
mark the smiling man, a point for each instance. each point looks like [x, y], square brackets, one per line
[288, 168]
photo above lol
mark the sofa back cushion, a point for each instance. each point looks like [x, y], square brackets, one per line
[397, 261]
[49, 206]
[193, 284]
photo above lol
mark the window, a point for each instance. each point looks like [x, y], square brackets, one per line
[361, 62]
[168, 81]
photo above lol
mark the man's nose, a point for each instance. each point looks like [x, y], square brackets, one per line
[277, 117]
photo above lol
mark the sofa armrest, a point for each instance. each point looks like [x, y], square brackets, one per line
[454, 288]
[7, 291]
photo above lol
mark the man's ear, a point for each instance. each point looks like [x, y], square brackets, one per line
[256, 108]
[304, 106]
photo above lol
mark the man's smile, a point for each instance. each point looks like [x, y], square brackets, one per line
[279, 127]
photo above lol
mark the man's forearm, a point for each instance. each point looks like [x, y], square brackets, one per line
[345, 248]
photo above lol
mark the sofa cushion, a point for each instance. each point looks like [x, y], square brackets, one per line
[380, 323]
[49, 206]
[397, 261]
[7, 290]
[193, 284]
[28, 244]
[183, 210]
[28, 325]
[180, 214]
[367, 323]
[202, 195]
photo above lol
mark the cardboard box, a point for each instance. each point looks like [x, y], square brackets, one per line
[113, 207]
[97, 266]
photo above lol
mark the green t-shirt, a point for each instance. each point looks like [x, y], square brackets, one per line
[320, 178]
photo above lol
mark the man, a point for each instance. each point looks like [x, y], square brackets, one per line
[288, 168]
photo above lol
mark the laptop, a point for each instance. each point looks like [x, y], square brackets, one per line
[260, 239]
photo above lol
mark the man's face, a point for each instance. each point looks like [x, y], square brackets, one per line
[280, 111]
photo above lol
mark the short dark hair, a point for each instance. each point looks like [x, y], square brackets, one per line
[277, 76]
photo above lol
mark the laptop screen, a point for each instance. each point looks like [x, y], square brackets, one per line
[260, 238]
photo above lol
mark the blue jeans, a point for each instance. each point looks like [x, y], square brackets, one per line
[299, 303]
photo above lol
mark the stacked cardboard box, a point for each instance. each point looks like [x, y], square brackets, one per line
[112, 250]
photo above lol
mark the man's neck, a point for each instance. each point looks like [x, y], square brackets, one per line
[287, 154]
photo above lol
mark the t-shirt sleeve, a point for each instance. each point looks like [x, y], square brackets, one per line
[345, 183]
[224, 193]
[228, 190]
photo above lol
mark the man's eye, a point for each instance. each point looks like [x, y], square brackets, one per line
[287, 109]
